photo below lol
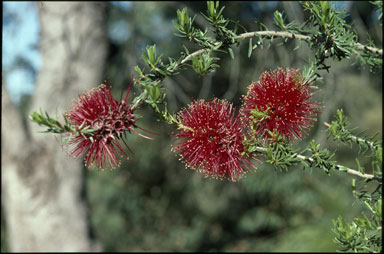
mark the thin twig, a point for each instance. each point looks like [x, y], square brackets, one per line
[300, 37]
[277, 34]
[273, 33]
[357, 139]
[372, 49]
[340, 167]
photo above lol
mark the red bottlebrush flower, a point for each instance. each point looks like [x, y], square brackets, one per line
[210, 139]
[281, 100]
[111, 119]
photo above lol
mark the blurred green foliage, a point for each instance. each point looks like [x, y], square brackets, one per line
[152, 203]
[3, 233]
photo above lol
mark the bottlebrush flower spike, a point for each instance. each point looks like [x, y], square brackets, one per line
[210, 139]
[111, 119]
[278, 102]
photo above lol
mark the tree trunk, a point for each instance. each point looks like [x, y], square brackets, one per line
[43, 193]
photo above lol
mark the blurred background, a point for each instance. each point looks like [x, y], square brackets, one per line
[152, 202]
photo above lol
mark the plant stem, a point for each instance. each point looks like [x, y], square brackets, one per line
[340, 167]
[300, 37]
[273, 33]
[357, 139]
[277, 34]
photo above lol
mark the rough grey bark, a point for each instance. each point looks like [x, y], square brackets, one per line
[42, 187]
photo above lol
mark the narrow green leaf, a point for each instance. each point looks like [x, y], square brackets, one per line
[138, 70]
[66, 140]
[250, 48]
[379, 155]
[231, 53]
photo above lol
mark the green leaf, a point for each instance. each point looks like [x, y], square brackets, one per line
[138, 70]
[379, 208]
[186, 50]
[250, 48]
[66, 140]
[379, 155]
[305, 164]
[231, 53]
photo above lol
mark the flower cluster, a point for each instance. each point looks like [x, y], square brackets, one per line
[278, 102]
[111, 119]
[211, 139]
